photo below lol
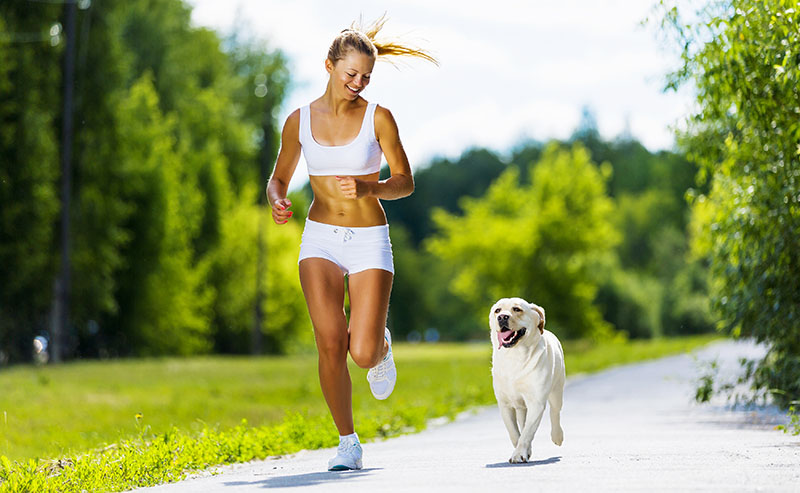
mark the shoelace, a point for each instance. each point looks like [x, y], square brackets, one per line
[379, 371]
[344, 446]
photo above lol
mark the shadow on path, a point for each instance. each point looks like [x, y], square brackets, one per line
[744, 416]
[307, 479]
[543, 462]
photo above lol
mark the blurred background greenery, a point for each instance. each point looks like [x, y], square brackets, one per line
[173, 251]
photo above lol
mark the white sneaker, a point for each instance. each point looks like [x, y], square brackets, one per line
[382, 377]
[348, 456]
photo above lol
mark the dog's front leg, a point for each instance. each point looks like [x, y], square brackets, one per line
[510, 420]
[522, 450]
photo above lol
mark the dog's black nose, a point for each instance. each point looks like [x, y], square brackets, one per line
[502, 318]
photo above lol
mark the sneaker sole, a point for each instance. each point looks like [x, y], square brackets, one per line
[383, 397]
[344, 468]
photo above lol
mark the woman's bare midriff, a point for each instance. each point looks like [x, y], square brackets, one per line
[330, 206]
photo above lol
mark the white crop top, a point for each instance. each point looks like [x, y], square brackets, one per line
[362, 156]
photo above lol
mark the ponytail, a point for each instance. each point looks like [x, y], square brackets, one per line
[362, 39]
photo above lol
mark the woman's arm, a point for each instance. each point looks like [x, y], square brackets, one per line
[288, 156]
[401, 182]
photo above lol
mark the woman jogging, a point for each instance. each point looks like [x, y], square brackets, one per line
[342, 137]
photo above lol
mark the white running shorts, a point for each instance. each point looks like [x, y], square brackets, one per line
[352, 249]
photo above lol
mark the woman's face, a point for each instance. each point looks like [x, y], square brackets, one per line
[350, 75]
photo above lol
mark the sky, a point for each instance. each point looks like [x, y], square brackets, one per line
[511, 70]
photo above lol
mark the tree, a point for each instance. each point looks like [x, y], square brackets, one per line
[172, 124]
[233, 272]
[164, 303]
[541, 240]
[102, 175]
[743, 59]
[443, 184]
[29, 156]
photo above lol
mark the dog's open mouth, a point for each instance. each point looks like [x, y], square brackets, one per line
[507, 337]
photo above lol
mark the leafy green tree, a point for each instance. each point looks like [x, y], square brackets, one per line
[102, 175]
[542, 240]
[639, 294]
[233, 271]
[193, 80]
[112, 227]
[422, 298]
[29, 163]
[262, 83]
[443, 184]
[163, 300]
[172, 123]
[743, 59]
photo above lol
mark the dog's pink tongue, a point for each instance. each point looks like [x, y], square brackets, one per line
[503, 337]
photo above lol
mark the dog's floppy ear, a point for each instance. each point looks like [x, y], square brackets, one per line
[540, 310]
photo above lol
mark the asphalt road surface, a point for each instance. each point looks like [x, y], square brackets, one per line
[631, 428]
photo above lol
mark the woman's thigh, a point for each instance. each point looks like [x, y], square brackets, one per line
[323, 287]
[369, 303]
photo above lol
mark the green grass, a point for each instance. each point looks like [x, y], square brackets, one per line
[191, 411]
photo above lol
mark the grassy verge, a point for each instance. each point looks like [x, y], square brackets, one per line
[122, 424]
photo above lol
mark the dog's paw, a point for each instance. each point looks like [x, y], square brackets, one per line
[520, 456]
[557, 435]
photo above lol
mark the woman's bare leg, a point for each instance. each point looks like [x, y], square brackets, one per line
[369, 304]
[323, 286]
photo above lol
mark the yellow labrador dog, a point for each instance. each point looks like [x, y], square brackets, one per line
[528, 372]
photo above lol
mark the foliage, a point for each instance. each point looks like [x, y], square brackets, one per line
[233, 271]
[541, 241]
[29, 160]
[443, 184]
[176, 125]
[632, 301]
[123, 425]
[654, 287]
[743, 58]
[163, 301]
[794, 420]
[172, 124]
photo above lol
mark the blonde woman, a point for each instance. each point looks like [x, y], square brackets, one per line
[342, 137]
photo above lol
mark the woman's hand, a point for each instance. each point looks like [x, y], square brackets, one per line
[353, 188]
[281, 212]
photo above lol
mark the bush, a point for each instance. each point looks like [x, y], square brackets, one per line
[742, 57]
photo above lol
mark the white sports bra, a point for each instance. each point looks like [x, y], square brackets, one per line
[362, 156]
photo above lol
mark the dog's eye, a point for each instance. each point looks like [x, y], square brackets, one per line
[517, 309]
[497, 311]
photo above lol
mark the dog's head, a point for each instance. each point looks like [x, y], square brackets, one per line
[513, 320]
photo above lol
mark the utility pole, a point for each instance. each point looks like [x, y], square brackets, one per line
[60, 326]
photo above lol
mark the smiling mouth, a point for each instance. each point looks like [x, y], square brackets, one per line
[354, 91]
[508, 338]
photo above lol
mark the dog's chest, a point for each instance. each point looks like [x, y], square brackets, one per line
[513, 375]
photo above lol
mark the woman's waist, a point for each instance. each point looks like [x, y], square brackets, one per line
[325, 232]
[361, 214]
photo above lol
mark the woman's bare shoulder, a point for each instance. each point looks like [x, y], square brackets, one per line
[385, 125]
[383, 113]
[294, 117]
[292, 124]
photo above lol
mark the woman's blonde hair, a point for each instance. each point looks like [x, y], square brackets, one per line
[362, 39]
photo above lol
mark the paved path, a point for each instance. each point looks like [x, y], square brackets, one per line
[632, 428]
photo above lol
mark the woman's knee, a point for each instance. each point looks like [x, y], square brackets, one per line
[366, 355]
[332, 347]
